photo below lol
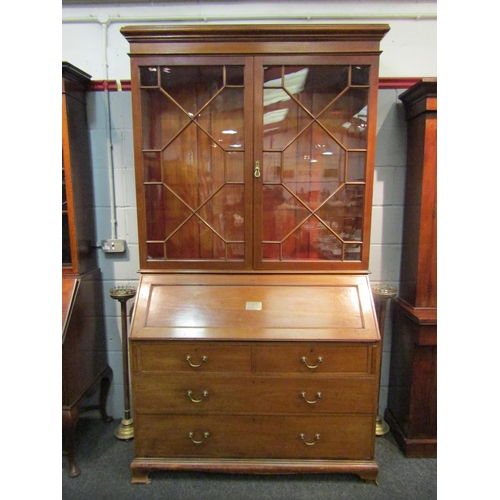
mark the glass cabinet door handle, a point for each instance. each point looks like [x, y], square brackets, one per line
[256, 171]
[316, 438]
[203, 360]
[203, 395]
[312, 367]
[311, 402]
[206, 435]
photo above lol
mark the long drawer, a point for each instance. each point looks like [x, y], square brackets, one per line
[216, 393]
[340, 437]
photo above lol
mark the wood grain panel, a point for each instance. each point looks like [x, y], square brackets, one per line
[253, 395]
[340, 437]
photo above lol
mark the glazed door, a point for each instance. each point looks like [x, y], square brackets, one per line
[194, 188]
[313, 166]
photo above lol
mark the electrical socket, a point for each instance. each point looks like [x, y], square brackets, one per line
[113, 246]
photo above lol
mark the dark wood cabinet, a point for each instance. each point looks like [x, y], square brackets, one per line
[78, 221]
[412, 400]
[84, 356]
[254, 341]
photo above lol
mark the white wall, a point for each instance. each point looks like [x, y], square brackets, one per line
[409, 51]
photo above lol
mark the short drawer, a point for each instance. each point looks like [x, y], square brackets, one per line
[190, 357]
[349, 437]
[205, 393]
[314, 358]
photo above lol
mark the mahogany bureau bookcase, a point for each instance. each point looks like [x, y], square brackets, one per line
[254, 344]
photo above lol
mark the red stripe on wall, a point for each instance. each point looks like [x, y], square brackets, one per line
[384, 83]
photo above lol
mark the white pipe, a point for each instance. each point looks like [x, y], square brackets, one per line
[205, 19]
[104, 20]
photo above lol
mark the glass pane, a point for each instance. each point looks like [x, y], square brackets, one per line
[347, 119]
[315, 87]
[235, 75]
[283, 119]
[235, 163]
[152, 166]
[343, 212]
[149, 76]
[224, 213]
[222, 119]
[356, 166]
[193, 166]
[315, 166]
[352, 252]
[270, 251]
[271, 168]
[312, 241]
[164, 212]
[162, 119]
[282, 213]
[360, 75]
[155, 251]
[195, 240]
[273, 76]
[192, 87]
[235, 251]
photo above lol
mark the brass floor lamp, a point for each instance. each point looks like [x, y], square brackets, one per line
[125, 431]
[382, 294]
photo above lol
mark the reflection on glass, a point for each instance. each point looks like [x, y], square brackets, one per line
[192, 87]
[271, 171]
[314, 146]
[283, 213]
[314, 163]
[347, 119]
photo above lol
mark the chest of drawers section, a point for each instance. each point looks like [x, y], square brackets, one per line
[258, 406]
[244, 395]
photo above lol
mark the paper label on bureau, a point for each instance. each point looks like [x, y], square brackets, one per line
[254, 306]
